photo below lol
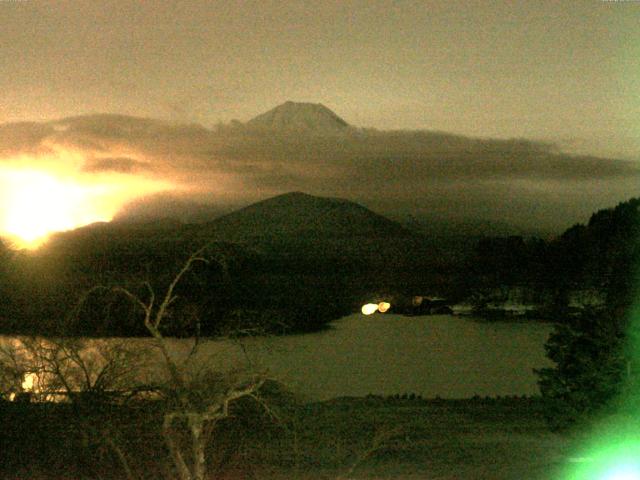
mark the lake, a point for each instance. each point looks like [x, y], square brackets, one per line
[440, 355]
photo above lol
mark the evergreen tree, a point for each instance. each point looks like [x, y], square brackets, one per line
[592, 359]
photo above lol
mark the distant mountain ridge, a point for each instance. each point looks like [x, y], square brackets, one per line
[286, 217]
[299, 116]
[297, 215]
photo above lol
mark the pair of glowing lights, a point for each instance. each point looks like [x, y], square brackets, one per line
[371, 308]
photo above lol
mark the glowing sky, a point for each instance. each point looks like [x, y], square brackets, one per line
[564, 72]
[42, 194]
[546, 69]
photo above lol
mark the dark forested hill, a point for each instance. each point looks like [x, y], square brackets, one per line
[299, 215]
[292, 262]
[295, 262]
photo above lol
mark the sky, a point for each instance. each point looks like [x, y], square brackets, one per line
[563, 74]
[562, 70]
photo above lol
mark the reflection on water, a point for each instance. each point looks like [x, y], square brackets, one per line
[444, 356]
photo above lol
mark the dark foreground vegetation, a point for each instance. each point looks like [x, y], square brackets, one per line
[344, 438]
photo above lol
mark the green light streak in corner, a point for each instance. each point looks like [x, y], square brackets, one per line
[612, 451]
[610, 458]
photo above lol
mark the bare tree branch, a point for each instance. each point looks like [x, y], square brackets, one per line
[169, 297]
[174, 451]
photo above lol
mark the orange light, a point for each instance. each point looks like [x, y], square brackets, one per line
[384, 307]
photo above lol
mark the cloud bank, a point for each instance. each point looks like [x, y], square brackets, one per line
[398, 172]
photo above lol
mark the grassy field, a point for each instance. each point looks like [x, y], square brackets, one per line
[359, 438]
[415, 439]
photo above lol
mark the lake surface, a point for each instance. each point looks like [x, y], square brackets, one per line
[441, 355]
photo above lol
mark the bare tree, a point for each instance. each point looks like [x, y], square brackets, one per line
[195, 400]
[87, 374]
[383, 437]
[14, 369]
[90, 372]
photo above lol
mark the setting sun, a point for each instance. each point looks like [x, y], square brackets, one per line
[37, 203]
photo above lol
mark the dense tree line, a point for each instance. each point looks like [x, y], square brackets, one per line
[595, 355]
[595, 352]
[603, 255]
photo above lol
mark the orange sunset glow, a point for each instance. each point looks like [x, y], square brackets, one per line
[36, 203]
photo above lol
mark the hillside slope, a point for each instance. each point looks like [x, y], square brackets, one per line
[297, 215]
